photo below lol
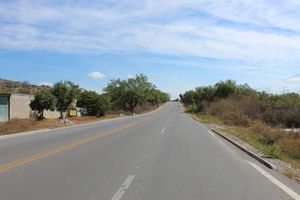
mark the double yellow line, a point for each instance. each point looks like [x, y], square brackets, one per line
[36, 156]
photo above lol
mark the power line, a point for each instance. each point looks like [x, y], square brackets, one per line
[279, 82]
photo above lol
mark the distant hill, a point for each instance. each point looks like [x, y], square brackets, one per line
[8, 86]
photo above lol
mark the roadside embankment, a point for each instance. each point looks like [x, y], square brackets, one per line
[272, 144]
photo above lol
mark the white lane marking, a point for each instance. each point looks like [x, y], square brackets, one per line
[212, 133]
[163, 130]
[286, 189]
[121, 191]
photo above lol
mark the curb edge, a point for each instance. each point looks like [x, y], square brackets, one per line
[250, 153]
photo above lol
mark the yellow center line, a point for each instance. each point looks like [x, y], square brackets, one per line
[36, 156]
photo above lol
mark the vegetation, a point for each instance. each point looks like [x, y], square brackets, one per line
[272, 141]
[207, 118]
[127, 94]
[93, 104]
[43, 100]
[65, 93]
[133, 94]
[240, 105]
[8, 86]
[255, 117]
[20, 125]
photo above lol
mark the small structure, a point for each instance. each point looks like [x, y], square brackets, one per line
[4, 107]
[16, 106]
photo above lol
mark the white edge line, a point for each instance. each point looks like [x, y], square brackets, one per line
[212, 133]
[286, 189]
[163, 130]
[121, 191]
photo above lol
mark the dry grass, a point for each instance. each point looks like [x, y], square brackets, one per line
[291, 147]
[139, 109]
[21, 125]
[207, 118]
[271, 141]
[247, 119]
[291, 174]
[230, 111]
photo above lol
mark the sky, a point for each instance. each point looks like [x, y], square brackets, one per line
[178, 44]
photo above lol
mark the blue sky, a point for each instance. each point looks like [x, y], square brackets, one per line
[178, 44]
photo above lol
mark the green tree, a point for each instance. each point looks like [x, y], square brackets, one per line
[131, 99]
[206, 93]
[225, 89]
[189, 97]
[115, 90]
[43, 100]
[93, 103]
[65, 92]
[180, 97]
[127, 94]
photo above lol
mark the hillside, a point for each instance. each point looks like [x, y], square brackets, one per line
[9, 86]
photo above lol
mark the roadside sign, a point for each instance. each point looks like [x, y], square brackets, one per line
[73, 113]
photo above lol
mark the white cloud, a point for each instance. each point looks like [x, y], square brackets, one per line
[96, 75]
[46, 83]
[252, 31]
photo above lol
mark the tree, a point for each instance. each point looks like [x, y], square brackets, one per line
[155, 97]
[225, 89]
[65, 92]
[127, 94]
[189, 97]
[92, 103]
[181, 97]
[115, 91]
[43, 100]
[206, 93]
[131, 99]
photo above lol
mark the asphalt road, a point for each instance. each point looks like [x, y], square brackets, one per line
[164, 155]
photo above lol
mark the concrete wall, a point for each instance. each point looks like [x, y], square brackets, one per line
[20, 109]
[19, 106]
[49, 114]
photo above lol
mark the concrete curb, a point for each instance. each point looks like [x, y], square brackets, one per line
[13, 135]
[250, 153]
[194, 118]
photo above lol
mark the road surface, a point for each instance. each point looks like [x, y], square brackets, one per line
[164, 155]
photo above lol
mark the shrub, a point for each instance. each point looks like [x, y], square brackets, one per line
[231, 111]
[43, 100]
[291, 147]
[265, 133]
[240, 104]
[92, 103]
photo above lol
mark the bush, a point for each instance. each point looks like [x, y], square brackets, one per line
[291, 147]
[240, 104]
[92, 103]
[230, 111]
[266, 134]
[127, 94]
[43, 100]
